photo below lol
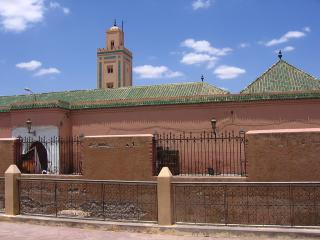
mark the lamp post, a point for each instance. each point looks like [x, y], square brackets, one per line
[214, 125]
[29, 126]
[30, 91]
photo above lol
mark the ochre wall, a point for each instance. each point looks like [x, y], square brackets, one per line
[196, 118]
[283, 155]
[174, 118]
[39, 117]
[118, 157]
[7, 153]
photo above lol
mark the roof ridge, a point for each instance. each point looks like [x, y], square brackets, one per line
[300, 70]
[261, 75]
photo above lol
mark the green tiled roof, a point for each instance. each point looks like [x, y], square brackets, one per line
[283, 77]
[120, 95]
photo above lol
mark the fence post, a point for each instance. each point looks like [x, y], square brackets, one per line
[12, 190]
[165, 209]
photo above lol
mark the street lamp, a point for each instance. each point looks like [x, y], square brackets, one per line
[214, 125]
[30, 91]
[29, 126]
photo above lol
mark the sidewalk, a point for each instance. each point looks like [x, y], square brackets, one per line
[27, 227]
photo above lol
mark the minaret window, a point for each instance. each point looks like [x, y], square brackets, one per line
[112, 44]
[109, 85]
[110, 69]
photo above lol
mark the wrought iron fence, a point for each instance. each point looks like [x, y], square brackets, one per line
[293, 204]
[87, 199]
[2, 196]
[205, 153]
[55, 155]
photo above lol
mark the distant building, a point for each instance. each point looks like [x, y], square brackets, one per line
[114, 62]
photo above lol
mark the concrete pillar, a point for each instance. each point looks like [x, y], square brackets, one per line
[12, 190]
[165, 209]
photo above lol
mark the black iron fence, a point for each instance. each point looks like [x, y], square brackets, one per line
[2, 196]
[55, 155]
[87, 199]
[205, 153]
[292, 204]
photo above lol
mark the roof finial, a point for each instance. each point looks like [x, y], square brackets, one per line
[280, 54]
[202, 78]
[115, 22]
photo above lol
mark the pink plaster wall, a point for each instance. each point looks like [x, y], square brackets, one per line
[196, 118]
[177, 118]
[39, 117]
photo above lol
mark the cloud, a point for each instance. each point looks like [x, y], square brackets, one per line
[202, 52]
[197, 58]
[149, 71]
[307, 29]
[244, 45]
[18, 15]
[47, 71]
[228, 72]
[56, 5]
[204, 46]
[29, 66]
[286, 49]
[285, 38]
[198, 4]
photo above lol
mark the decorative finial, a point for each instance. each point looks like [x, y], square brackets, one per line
[280, 54]
[202, 78]
[115, 22]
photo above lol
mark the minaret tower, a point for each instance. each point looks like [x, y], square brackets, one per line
[114, 62]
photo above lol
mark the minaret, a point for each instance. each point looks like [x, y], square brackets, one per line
[114, 62]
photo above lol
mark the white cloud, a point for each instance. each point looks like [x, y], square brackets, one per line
[56, 5]
[29, 66]
[198, 4]
[18, 15]
[202, 53]
[286, 49]
[197, 58]
[307, 29]
[204, 46]
[228, 72]
[149, 71]
[244, 45]
[285, 38]
[47, 71]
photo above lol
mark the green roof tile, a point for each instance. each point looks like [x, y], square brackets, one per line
[63, 99]
[283, 77]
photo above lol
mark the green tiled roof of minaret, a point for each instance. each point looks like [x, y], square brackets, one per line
[283, 77]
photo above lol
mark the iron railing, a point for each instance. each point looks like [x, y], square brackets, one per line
[55, 155]
[291, 204]
[88, 199]
[205, 153]
[2, 195]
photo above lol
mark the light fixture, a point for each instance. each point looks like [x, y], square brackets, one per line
[29, 126]
[214, 124]
[30, 91]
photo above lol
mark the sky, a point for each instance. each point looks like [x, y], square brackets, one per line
[49, 46]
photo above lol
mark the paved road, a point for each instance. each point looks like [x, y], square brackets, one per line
[24, 231]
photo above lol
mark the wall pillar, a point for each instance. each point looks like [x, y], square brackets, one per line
[165, 209]
[12, 190]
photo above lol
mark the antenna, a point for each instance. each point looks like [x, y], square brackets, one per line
[122, 26]
[115, 22]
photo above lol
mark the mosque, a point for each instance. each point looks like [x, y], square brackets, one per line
[282, 97]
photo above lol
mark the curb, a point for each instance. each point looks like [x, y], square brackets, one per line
[178, 229]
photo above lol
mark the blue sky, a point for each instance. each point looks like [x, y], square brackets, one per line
[51, 45]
